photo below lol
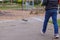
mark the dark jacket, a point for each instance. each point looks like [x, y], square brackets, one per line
[51, 4]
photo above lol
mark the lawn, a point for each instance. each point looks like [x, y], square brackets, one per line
[4, 7]
[58, 22]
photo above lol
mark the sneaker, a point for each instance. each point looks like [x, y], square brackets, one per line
[42, 33]
[25, 20]
[56, 36]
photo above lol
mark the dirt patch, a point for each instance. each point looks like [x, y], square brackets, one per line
[17, 14]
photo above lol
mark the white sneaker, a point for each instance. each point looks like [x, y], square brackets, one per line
[42, 33]
[56, 36]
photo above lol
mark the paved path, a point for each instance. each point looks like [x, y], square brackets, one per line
[20, 30]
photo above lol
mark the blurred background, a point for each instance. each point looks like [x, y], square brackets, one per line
[22, 9]
[5, 4]
[17, 9]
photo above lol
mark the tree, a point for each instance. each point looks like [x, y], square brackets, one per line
[37, 1]
[2, 2]
[11, 1]
[19, 0]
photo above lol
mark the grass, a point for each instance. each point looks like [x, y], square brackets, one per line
[10, 7]
[13, 6]
[57, 21]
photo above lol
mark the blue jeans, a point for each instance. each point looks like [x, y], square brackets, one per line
[53, 14]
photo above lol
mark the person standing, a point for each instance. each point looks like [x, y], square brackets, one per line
[27, 4]
[51, 7]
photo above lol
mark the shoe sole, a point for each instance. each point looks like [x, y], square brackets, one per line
[56, 37]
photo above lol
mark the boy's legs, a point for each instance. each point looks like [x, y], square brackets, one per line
[47, 16]
[54, 19]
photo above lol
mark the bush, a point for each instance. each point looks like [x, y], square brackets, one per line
[37, 2]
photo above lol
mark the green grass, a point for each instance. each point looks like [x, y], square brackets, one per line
[9, 7]
[58, 22]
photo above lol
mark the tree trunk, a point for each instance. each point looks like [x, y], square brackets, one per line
[2, 2]
[11, 1]
[22, 4]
